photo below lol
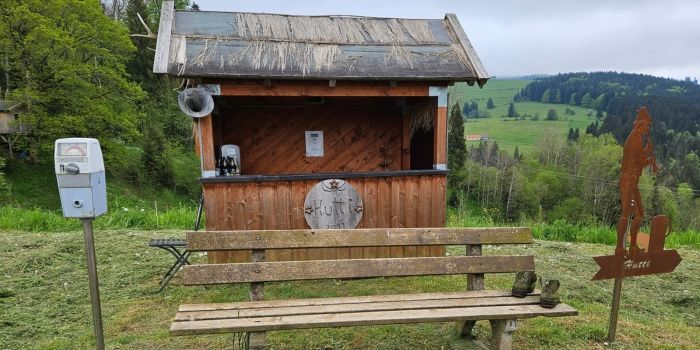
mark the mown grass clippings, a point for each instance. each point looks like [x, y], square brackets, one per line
[49, 305]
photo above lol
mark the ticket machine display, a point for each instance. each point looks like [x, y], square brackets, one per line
[80, 173]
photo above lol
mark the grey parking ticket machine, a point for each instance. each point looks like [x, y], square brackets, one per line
[80, 173]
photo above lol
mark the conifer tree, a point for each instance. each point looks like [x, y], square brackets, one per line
[474, 109]
[456, 148]
[511, 111]
[489, 104]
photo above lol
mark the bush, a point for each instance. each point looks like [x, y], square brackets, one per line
[552, 115]
[186, 172]
[572, 209]
[122, 161]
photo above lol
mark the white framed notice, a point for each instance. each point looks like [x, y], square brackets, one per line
[314, 143]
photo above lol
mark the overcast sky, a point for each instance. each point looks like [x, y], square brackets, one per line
[659, 37]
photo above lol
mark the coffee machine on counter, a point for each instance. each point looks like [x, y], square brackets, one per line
[229, 163]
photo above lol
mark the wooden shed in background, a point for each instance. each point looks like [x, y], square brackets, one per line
[376, 87]
[11, 127]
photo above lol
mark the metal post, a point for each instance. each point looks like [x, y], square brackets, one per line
[94, 285]
[617, 292]
[615, 309]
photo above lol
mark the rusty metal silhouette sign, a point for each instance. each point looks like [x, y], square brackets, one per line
[646, 254]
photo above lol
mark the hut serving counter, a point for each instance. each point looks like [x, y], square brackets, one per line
[387, 143]
[408, 198]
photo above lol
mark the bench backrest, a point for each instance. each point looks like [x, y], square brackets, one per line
[260, 240]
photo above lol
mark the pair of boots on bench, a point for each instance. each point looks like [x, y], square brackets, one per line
[525, 284]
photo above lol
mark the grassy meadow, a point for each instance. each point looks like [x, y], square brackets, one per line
[507, 131]
[45, 301]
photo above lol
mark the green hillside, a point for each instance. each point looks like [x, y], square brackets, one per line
[507, 131]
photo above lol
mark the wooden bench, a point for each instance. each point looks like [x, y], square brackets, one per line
[258, 316]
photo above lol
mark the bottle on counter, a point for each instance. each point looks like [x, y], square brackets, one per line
[229, 166]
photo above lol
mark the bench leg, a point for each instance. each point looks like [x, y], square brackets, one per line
[464, 329]
[475, 281]
[501, 334]
[256, 340]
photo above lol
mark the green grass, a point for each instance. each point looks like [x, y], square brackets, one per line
[118, 217]
[563, 231]
[45, 303]
[507, 132]
[34, 186]
[32, 204]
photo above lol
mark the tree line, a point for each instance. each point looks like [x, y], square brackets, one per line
[673, 104]
[73, 70]
[573, 180]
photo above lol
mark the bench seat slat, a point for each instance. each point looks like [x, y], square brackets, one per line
[357, 307]
[352, 268]
[283, 239]
[274, 323]
[345, 300]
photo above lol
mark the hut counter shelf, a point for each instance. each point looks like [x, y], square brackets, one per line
[320, 176]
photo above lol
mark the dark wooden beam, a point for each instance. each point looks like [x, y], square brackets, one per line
[315, 90]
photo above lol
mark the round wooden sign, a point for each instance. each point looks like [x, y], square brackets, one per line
[333, 204]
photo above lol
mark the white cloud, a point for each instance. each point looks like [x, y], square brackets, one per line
[549, 36]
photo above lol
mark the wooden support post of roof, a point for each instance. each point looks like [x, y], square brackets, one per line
[204, 145]
[440, 139]
[167, 16]
[440, 128]
[406, 143]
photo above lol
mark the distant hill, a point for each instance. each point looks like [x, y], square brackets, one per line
[673, 104]
[522, 132]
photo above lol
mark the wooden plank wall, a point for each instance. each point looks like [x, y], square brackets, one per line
[360, 134]
[401, 201]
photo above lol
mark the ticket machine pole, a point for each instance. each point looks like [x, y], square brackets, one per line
[94, 284]
[82, 188]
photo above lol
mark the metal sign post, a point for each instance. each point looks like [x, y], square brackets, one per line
[94, 284]
[80, 174]
[640, 257]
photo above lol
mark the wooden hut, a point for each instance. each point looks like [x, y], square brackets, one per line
[11, 126]
[375, 87]
[9, 119]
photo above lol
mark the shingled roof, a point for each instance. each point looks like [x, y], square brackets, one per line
[272, 46]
